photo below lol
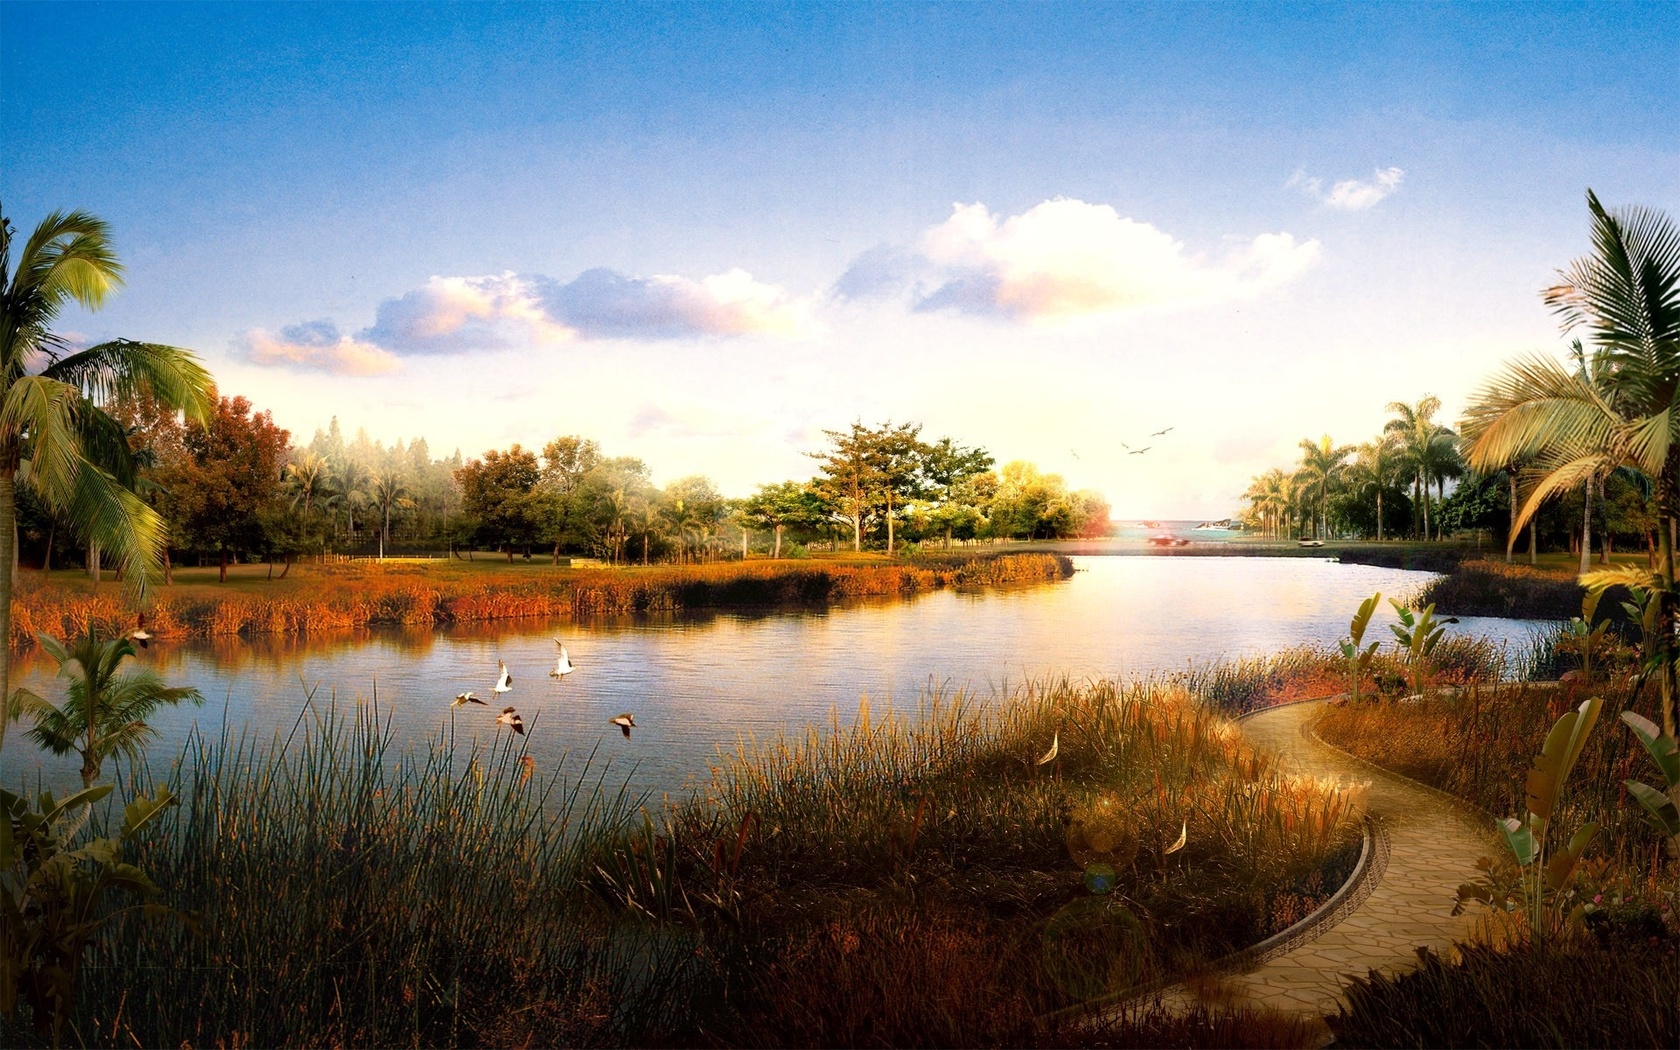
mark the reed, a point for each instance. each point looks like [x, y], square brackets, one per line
[938, 874]
[365, 594]
[347, 894]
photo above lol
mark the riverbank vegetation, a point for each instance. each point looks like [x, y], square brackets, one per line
[930, 881]
[367, 594]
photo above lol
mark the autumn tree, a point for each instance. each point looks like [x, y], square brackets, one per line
[230, 474]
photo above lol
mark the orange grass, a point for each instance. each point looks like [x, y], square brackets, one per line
[333, 597]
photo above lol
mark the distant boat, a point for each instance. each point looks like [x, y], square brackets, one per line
[1310, 543]
[1213, 526]
[1168, 541]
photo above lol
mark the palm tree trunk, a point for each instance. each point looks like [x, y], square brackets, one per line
[1511, 538]
[889, 523]
[1379, 514]
[1666, 499]
[1533, 542]
[778, 553]
[8, 521]
[46, 559]
[1586, 527]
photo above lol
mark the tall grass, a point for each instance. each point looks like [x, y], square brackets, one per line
[350, 895]
[365, 594]
[921, 882]
[1247, 684]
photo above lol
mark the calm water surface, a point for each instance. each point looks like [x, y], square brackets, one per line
[698, 683]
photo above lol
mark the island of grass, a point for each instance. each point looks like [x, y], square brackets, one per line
[936, 881]
[358, 594]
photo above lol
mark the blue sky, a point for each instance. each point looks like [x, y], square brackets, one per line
[702, 234]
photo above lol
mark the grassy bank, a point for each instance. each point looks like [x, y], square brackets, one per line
[896, 882]
[1608, 972]
[367, 594]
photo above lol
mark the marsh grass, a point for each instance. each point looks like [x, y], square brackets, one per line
[1479, 745]
[1572, 995]
[364, 594]
[348, 894]
[921, 881]
[1247, 684]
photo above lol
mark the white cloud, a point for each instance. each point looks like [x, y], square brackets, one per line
[602, 304]
[317, 346]
[1067, 258]
[1351, 194]
[451, 315]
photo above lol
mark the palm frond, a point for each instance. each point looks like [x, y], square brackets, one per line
[123, 368]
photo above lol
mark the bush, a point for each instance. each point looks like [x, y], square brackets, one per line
[1527, 995]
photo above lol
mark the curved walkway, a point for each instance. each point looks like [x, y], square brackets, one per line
[1433, 848]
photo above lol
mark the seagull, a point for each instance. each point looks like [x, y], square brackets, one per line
[563, 665]
[1158, 433]
[463, 699]
[1055, 746]
[1074, 454]
[626, 722]
[1183, 837]
[510, 718]
[140, 634]
[504, 681]
[1141, 451]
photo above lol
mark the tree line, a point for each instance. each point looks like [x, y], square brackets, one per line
[233, 487]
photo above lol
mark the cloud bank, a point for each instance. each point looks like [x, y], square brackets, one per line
[465, 315]
[1064, 259]
[1351, 194]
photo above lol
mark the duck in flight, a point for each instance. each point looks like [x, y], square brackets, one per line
[1158, 433]
[504, 681]
[140, 634]
[1141, 451]
[463, 699]
[625, 722]
[510, 718]
[562, 666]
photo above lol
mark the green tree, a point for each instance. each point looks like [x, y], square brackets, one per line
[53, 429]
[500, 492]
[777, 506]
[1322, 462]
[104, 713]
[1429, 450]
[308, 480]
[1626, 294]
[849, 477]
[948, 470]
[388, 491]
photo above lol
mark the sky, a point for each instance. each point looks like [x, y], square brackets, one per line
[704, 234]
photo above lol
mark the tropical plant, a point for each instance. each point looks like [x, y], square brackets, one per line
[1539, 890]
[104, 713]
[1322, 462]
[388, 489]
[1429, 450]
[55, 436]
[1418, 633]
[1626, 293]
[1376, 468]
[309, 481]
[1662, 810]
[53, 896]
[1584, 636]
[1359, 660]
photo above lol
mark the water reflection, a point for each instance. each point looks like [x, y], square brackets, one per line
[696, 682]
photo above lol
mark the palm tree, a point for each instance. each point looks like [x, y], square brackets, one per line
[388, 490]
[644, 519]
[55, 436]
[309, 480]
[351, 479]
[1415, 428]
[103, 713]
[1625, 409]
[1377, 468]
[1322, 461]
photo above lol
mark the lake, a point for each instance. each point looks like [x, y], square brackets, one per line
[701, 681]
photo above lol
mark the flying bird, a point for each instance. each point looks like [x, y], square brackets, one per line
[463, 699]
[1055, 746]
[1141, 451]
[504, 681]
[625, 722]
[140, 634]
[1158, 433]
[563, 665]
[510, 718]
[1183, 837]
[1073, 453]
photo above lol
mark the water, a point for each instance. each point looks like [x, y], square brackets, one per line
[697, 683]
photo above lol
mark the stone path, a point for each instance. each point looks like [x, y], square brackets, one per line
[1433, 848]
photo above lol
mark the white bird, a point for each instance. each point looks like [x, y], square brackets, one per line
[510, 718]
[463, 699]
[1055, 746]
[1183, 837]
[504, 681]
[563, 665]
[140, 634]
[625, 722]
